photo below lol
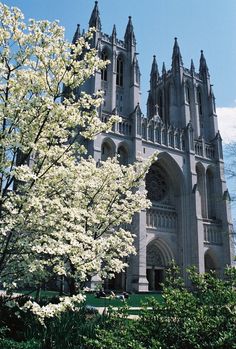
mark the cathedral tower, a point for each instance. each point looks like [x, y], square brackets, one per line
[189, 220]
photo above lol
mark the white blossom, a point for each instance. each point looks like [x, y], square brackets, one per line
[60, 214]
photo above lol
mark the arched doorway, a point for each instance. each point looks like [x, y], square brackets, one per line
[159, 258]
[164, 219]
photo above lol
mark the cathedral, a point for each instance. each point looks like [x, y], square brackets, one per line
[189, 220]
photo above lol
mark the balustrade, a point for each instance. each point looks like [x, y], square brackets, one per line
[212, 234]
[163, 219]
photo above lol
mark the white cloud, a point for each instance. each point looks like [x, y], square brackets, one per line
[227, 123]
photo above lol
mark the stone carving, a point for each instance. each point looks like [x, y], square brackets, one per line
[154, 257]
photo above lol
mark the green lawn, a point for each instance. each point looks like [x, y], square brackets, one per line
[134, 300]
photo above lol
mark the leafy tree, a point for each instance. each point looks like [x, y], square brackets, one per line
[60, 214]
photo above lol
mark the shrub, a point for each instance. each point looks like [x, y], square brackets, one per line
[11, 344]
[201, 318]
[116, 332]
[71, 329]
[16, 322]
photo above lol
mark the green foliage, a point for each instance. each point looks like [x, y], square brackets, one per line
[201, 318]
[70, 330]
[117, 332]
[11, 344]
[22, 330]
[14, 322]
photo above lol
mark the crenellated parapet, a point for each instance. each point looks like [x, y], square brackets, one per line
[109, 39]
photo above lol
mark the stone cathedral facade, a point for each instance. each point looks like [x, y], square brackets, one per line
[189, 220]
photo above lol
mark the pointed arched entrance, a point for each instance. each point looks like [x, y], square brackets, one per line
[159, 257]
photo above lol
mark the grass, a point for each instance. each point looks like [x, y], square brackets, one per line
[134, 300]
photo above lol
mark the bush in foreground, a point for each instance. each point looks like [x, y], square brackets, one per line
[202, 318]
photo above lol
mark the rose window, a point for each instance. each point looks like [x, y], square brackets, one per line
[156, 185]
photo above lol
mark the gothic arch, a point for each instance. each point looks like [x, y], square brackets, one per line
[174, 171]
[211, 193]
[108, 149]
[158, 258]
[151, 130]
[121, 55]
[187, 92]
[107, 50]
[201, 187]
[200, 101]
[123, 152]
[167, 216]
[120, 66]
[105, 55]
[165, 185]
[166, 255]
[210, 261]
[211, 168]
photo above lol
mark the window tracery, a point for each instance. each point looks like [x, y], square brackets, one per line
[156, 184]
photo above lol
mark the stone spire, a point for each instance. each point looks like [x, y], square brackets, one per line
[95, 18]
[192, 67]
[154, 69]
[76, 35]
[154, 76]
[163, 68]
[114, 31]
[176, 55]
[154, 73]
[203, 68]
[129, 33]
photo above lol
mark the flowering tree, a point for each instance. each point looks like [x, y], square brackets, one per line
[59, 213]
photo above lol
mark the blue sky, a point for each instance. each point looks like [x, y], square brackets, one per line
[199, 24]
[209, 25]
